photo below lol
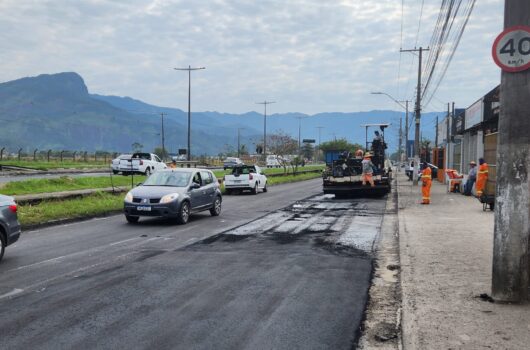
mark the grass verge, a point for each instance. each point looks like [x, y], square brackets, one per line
[100, 204]
[47, 211]
[42, 165]
[65, 183]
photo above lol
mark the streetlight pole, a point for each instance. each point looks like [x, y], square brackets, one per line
[265, 103]
[299, 135]
[189, 69]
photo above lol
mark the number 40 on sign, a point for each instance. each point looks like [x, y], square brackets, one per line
[511, 49]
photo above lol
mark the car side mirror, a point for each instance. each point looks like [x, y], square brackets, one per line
[139, 184]
[195, 186]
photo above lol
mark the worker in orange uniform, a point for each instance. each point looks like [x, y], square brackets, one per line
[426, 178]
[482, 176]
[368, 169]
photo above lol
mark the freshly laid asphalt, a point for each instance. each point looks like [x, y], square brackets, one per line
[278, 270]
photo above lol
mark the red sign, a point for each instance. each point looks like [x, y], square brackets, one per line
[511, 49]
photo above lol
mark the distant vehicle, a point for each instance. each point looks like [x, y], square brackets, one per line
[174, 193]
[231, 161]
[273, 161]
[245, 178]
[9, 225]
[141, 163]
[181, 157]
[116, 162]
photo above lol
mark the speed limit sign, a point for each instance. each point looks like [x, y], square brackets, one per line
[511, 49]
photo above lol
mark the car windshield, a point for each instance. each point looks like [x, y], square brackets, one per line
[243, 170]
[168, 178]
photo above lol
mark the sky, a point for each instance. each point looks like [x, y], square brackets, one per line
[309, 56]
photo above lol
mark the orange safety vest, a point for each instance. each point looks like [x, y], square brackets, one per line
[482, 178]
[426, 177]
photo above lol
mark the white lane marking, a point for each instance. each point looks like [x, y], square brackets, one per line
[192, 239]
[89, 252]
[15, 291]
[125, 240]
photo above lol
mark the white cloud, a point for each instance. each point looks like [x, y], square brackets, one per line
[309, 55]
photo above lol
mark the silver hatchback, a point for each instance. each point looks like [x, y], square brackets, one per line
[174, 193]
[9, 225]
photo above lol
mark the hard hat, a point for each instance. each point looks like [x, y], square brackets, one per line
[368, 154]
[472, 163]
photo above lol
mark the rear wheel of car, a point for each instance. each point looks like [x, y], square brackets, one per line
[216, 209]
[265, 187]
[147, 172]
[2, 245]
[184, 213]
[115, 172]
[132, 219]
[255, 189]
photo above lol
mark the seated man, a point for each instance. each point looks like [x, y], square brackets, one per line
[471, 178]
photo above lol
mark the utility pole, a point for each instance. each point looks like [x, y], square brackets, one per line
[189, 69]
[406, 129]
[436, 137]
[510, 280]
[265, 103]
[319, 139]
[400, 154]
[239, 142]
[299, 134]
[163, 136]
[417, 113]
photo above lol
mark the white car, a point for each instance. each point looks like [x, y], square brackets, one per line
[115, 164]
[245, 178]
[273, 161]
[141, 163]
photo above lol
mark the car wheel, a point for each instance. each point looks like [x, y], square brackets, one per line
[184, 213]
[115, 172]
[265, 187]
[2, 246]
[255, 189]
[216, 209]
[132, 219]
[147, 172]
[228, 192]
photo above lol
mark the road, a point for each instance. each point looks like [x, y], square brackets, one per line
[289, 269]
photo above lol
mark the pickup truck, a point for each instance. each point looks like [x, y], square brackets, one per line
[141, 163]
[245, 178]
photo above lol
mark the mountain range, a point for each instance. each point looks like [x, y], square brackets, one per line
[56, 111]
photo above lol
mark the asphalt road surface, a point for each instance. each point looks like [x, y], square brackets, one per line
[289, 269]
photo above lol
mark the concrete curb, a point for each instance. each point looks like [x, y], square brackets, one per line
[382, 325]
[69, 220]
[39, 197]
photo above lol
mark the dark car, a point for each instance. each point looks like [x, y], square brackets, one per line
[9, 225]
[174, 193]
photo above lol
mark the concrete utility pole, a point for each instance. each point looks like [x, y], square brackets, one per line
[189, 69]
[265, 103]
[163, 136]
[400, 154]
[512, 208]
[417, 113]
[239, 142]
[299, 134]
[319, 139]
[436, 134]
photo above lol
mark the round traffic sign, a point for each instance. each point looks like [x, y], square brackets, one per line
[511, 49]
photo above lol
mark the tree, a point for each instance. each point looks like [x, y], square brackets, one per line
[162, 153]
[308, 151]
[282, 146]
[340, 145]
[137, 147]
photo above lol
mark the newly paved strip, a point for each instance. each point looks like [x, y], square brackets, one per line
[295, 279]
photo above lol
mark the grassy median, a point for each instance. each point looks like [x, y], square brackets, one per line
[67, 164]
[101, 203]
[66, 183]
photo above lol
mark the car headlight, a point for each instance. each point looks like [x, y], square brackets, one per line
[169, 198]
[128, 197]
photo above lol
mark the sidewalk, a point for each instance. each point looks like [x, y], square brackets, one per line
[446, 253]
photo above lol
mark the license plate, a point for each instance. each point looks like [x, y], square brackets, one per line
[143, 208]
